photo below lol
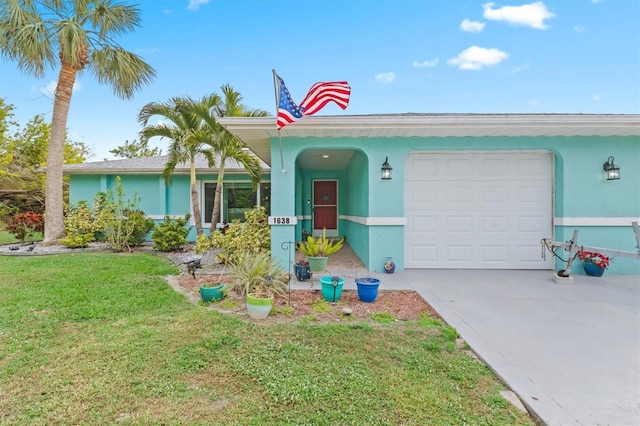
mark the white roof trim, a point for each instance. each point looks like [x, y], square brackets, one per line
[257, 132]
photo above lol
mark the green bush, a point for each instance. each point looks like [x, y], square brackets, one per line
[203, 244]
[142, 226]
[124, 224]
[171, 234]
[254, 235]
[81, 225]
[112, 219]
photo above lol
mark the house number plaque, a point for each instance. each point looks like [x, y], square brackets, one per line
[283, 220]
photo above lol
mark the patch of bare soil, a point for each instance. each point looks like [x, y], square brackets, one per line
[298, 304]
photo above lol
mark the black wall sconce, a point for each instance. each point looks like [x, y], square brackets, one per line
[386, 170]
[611, 171]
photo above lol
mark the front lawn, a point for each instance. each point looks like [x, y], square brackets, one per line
[101, 338]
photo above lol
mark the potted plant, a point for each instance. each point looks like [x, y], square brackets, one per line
[302, 270]
[318, 250]
[367, 288]
[258, 278]
[211, 292]
[594, 263]
[331, 288]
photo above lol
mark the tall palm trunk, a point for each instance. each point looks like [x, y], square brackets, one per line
[54, 218]
[215, 216]
[195, 202]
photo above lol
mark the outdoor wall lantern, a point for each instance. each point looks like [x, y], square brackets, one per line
[386, 170]
[611, 171]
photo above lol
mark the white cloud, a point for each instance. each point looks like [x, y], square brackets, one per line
[472, 26]
[475, 58]
[596, 98]
[578, 28]
[426, 64]
[530, 15]
[195, 4]
[385, 77]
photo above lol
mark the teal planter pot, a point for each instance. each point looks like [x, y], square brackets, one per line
[330, 292]
[259, 307]
[592, 269]
[209, 294]
[367, 289]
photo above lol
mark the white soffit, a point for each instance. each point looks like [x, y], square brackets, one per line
[257, 132]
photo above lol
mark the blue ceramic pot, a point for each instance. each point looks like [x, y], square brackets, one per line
[367, 289]
[303, 273]
[592, 269]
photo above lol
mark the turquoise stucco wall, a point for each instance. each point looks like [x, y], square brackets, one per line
[156, 198]
[580, 190]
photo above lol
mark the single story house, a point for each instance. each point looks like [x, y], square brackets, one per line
[476, 191]
[158, 199]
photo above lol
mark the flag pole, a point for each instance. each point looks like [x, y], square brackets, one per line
[276, 88]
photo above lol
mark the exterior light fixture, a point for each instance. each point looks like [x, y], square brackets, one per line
[386, 170]
[611, 171]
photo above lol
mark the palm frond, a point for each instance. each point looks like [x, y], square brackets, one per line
[126, 72]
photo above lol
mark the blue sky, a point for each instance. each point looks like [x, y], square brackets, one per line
[423, 56]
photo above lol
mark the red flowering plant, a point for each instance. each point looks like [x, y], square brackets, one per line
[24, 226]
[593, 257]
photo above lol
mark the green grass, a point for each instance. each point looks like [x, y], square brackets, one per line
[7, 238]
[101, 338]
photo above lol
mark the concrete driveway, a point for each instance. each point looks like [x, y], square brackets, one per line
[570, 352]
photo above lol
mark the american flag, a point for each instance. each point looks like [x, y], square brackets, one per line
[322, 93]
[319, 95]
[288, 111]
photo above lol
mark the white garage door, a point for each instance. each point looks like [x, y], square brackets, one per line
[477, 210]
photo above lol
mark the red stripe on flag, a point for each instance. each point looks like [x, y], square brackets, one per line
[322, 93]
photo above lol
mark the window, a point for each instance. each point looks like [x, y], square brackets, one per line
[237, 198]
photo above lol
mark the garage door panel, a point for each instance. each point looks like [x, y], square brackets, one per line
[492, 168]
[423, 167]
[494, 224]
[495, 253]
[423, 223]
[457, 195]
[459, 224]
[533, 168]
[494, 194]
[425, 254]
[459, 253]
[479, 210]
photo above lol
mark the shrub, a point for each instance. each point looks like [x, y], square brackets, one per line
[80, 226]
[113, 219]
[24, 226]
[124, 224]
[254, 235]
[142, 226]
[171, 234]
[203, 243]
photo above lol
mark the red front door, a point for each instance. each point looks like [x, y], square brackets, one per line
[325, 206]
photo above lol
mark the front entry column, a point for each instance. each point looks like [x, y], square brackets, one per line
[282, 204]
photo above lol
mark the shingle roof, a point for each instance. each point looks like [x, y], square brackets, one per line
[151, 165]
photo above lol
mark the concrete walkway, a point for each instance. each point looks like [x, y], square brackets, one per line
[570, 352]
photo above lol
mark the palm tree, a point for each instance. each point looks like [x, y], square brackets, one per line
[226, 146]
[71, 35]
[188, 134]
